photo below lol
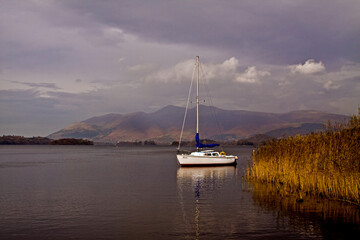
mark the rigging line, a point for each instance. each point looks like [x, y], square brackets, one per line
[211, 104]
[186, 109]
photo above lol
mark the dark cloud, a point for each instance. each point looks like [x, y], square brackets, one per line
[276, 31]
[38, 85]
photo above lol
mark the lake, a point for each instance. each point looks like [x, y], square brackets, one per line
[102, 192]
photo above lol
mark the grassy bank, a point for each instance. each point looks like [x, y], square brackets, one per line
[324, 164]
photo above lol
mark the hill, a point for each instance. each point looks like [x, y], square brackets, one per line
[164, 125]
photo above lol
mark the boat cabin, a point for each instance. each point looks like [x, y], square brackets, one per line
[210, 153]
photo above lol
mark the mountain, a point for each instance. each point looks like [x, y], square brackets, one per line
[165, 124]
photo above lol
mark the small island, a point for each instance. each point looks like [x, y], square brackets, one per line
[71, 141]
[20, 140]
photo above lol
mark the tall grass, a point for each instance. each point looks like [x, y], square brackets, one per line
[324, 164]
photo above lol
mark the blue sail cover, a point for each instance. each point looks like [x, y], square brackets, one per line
[200, 145]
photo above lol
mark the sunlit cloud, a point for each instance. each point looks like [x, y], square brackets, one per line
[309, 67]
[228, 70]
[251, 75]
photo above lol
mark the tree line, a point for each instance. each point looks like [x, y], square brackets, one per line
[21, 140]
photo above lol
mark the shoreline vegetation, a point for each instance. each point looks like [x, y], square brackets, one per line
[20, 140]
[255, 140]
[324, 164]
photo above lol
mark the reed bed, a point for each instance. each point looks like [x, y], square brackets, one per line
[324, 164]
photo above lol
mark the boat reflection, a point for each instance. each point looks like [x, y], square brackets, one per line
[195, 174]
[196, 187]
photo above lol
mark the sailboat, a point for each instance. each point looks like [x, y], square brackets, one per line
[202, 157]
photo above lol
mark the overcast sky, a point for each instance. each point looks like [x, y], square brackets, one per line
[65, 61]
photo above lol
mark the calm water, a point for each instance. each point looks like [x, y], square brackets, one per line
[92, 192]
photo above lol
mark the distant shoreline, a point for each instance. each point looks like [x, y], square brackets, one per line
[255, 141]
[20, 140]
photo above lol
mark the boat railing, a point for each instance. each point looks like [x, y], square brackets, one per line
[183, 151]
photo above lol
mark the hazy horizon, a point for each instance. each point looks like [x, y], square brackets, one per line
[192, 107]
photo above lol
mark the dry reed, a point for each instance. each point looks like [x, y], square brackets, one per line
[323, 164]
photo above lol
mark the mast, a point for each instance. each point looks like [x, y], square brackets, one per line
[197, 96]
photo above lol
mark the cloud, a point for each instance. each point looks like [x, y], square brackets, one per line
[255, 29]
[348, 74]
[330, 85]
[181, 71]
[113, 36]
[309, 67]
[141, 68]
[230, 65]
[52, 86]
[226, 70]
[251, 75]
[219, 72]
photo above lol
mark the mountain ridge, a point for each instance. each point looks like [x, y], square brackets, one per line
[164, 125]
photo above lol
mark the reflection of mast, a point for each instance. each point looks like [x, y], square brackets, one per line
[197, 208]
[192, 179]
[197, 220]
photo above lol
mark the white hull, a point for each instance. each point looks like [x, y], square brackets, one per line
[188, 160]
